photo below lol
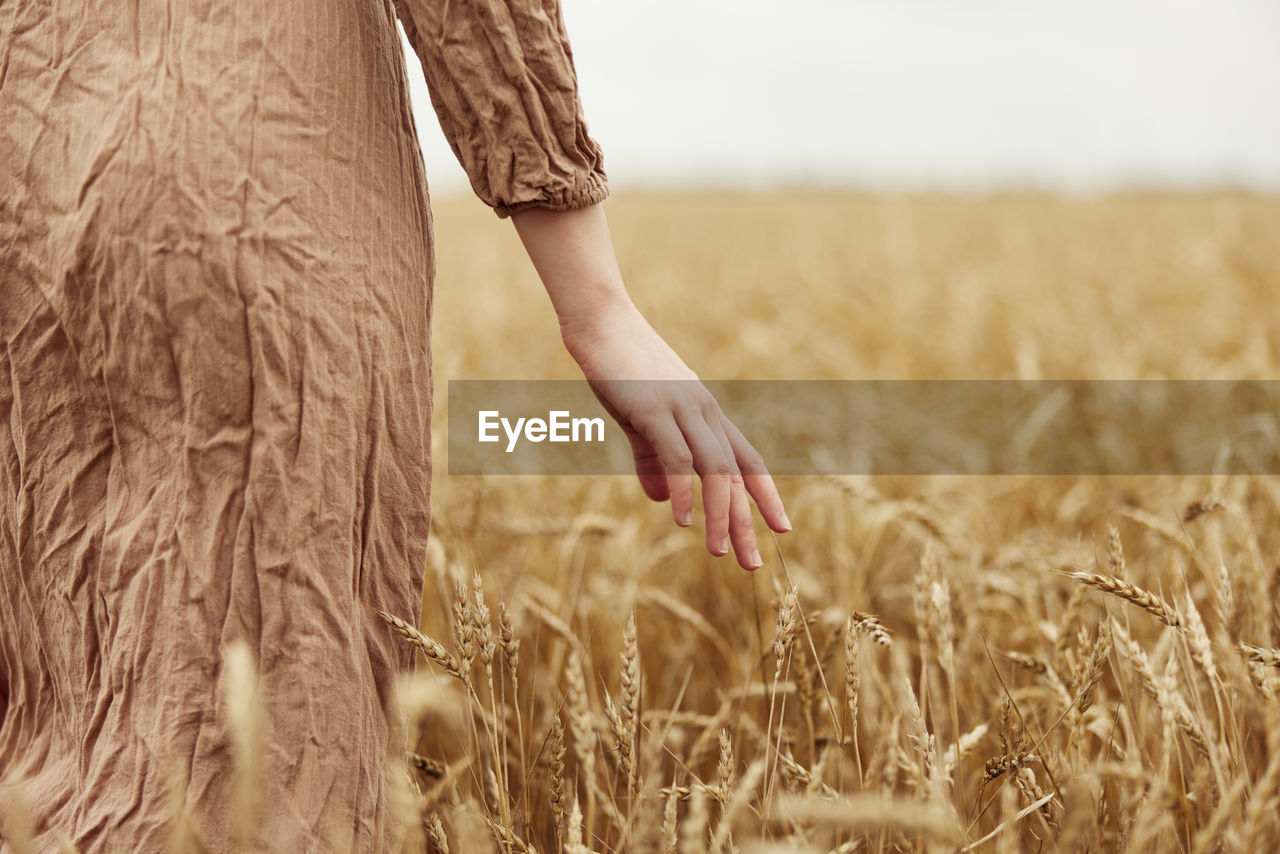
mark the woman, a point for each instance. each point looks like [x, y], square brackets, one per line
[215, 269]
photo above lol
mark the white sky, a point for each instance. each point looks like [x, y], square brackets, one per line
[922, 94]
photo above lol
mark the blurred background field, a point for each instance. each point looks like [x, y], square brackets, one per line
[1052, 714]
[829, 285]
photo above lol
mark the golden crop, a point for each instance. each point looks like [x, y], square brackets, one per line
[1065, 664]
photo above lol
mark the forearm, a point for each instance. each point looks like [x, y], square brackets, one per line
[573, 254]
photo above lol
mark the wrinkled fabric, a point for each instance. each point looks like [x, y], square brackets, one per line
[519, 132]
[215, 292]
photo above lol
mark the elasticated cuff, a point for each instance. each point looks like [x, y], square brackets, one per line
[595, 191]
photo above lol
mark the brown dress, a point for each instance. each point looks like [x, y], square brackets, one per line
[215, 293]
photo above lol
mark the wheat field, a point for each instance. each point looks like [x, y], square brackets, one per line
[940, 664]
[928, 663]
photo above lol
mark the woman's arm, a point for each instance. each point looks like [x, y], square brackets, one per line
[675, 426]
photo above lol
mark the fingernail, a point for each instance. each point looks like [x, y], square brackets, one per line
[786, 523]
[686, 519]
[756, 561]
[724, 545]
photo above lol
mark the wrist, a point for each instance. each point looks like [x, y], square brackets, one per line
[590, 321]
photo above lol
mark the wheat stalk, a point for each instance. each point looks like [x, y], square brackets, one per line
[1261, 655]
[1144, 599]
[872, 628]
[432, 649]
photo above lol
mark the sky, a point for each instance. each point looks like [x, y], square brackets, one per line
[921, 95]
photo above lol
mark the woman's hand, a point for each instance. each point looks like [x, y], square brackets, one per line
[677, 431]
[675, 426]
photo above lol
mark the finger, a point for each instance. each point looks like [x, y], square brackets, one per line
[649, 469]
[714, 465]
[758, 480]
[677, 463]
[741, 526]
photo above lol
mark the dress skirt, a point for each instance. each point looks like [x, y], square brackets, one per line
[216, 267]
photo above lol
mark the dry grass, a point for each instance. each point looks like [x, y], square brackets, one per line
[923, 664]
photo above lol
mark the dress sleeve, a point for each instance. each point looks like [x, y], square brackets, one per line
[501, 78]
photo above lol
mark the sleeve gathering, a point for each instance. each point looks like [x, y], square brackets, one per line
[501, 78]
